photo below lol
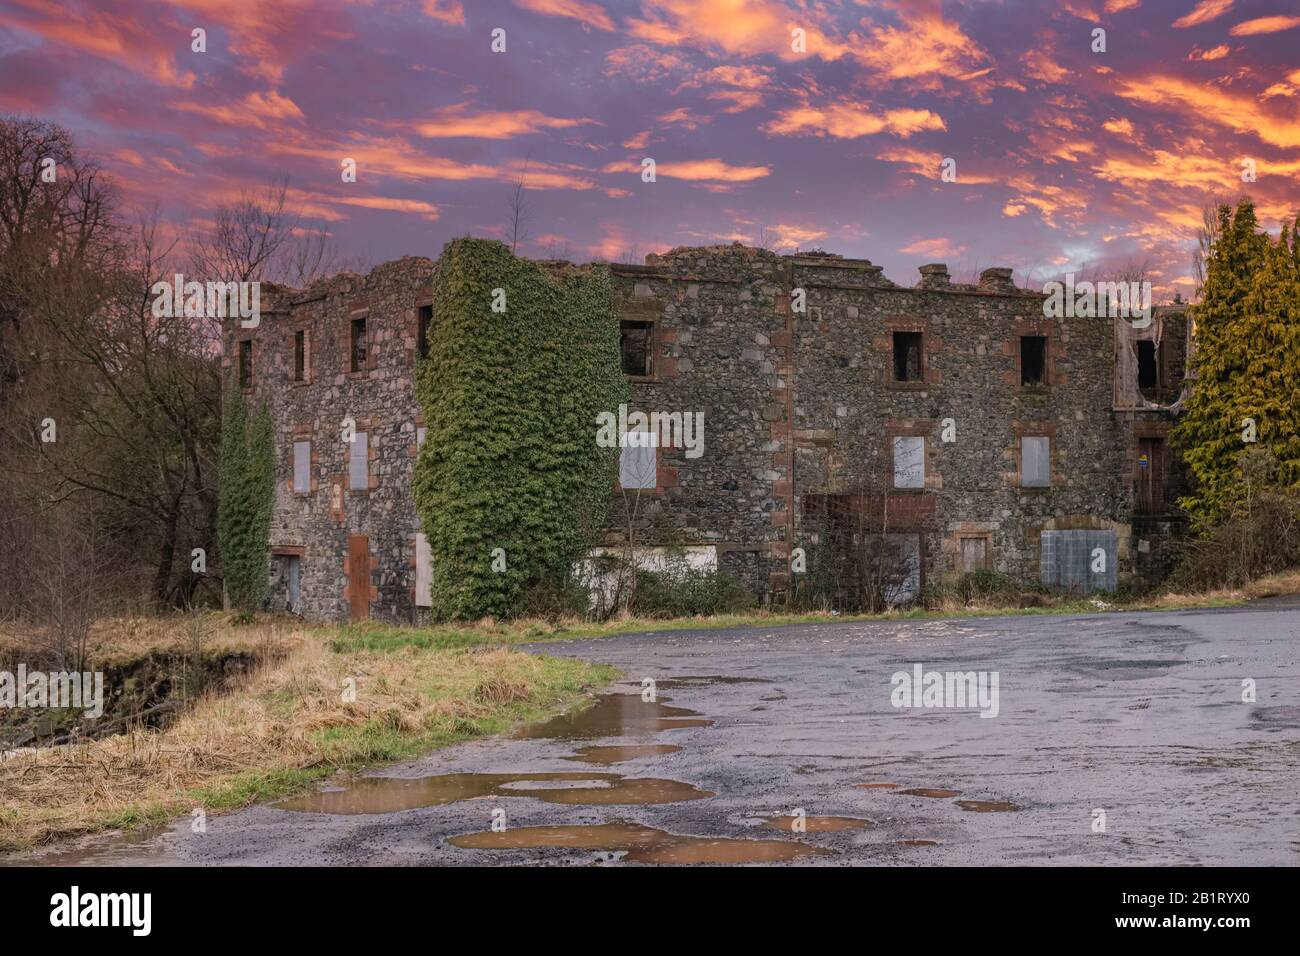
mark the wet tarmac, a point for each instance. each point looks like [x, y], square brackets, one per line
[1134, 720]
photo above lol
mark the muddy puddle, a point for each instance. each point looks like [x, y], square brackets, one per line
[917, 842]
[819, 824]
[393, 794]
[930, 792]
[877, 786]
[615, 715]
[987, 806]
[620, 754]
[640, 844]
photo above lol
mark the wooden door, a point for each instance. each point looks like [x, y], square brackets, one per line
[358, 577]
[1151, 476]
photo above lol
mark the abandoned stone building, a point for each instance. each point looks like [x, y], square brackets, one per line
[956, 420]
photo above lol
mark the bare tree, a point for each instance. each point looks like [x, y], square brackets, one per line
[521, 211]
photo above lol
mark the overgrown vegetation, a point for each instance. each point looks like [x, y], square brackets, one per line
[247, 475]
[510, 484]
[1246, 368]
[286, 726]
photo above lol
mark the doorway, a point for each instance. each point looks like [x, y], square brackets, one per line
[358, 577]
[1150, 476]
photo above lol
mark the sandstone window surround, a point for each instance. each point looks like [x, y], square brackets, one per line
[1037, 455]
[911, 457]
[362, 457]
[300, 367]
[358, 344]
[908, 347]
[1036, 347]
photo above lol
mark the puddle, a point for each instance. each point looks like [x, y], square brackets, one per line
[987, 806]
[875, 786]
[917, 842]
[641, 844]
[706, 680]
[393, 794]
[615, 715]
[620, 754]
[1281, 717]
[820, 824]
[930, 792]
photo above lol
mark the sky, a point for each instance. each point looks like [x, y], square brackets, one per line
[798, 124]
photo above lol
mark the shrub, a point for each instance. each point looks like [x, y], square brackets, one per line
[687, 592]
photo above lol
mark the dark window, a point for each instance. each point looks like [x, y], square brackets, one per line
[1033, 360]
[907, 356]
[422, 320]
[300, 355]
[634, 345]
[1148, 372]
[245, 363]
[358, 344]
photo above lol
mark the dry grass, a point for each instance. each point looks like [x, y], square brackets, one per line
[1272, 585]
[288, 724]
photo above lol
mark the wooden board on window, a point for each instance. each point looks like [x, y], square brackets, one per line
[358, 577]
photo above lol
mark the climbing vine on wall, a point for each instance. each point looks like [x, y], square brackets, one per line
[246, 501]
[510, 484]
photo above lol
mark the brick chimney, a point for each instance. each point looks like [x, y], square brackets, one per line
[934, 276]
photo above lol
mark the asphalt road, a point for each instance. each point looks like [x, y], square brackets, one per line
[1139, 717]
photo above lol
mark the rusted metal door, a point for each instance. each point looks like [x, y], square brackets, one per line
[1151, 476]
[358, 577]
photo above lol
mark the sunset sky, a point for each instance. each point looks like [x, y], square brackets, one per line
[1064, 157]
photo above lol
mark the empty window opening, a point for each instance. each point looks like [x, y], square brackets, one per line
[422, 320]
[907, 356]
[634, 347]
[300, 355]
[1148, 370]
[358, 344]
[1033, 360]
[245, 363]
[909, 462]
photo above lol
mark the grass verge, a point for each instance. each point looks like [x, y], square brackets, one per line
[291, 723]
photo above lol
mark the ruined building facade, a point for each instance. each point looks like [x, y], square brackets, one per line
[957, 419]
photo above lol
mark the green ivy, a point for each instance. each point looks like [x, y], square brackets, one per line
[510, 400]
[246, 472]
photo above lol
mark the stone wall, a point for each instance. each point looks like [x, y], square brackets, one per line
[790, 361]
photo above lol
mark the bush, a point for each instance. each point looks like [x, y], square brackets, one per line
[1259, 540]
[688, 592]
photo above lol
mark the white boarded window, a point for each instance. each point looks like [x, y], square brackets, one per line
[1035, 461]
[420, 432]
[359, 462]
[423, 572]
[909, 462]
[638, 462]
[302, 466]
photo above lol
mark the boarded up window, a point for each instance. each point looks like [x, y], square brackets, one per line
[1079, 560]
[909, 462]
[907, 357]
[1033, 360]
[1035, 461]
[902, 571]
[302, 466]
[974, 554]
[359, 462]
[634, 346]
[423, 572]
[420, 432]
[638, 461]
[358, 577]
[245, 363]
